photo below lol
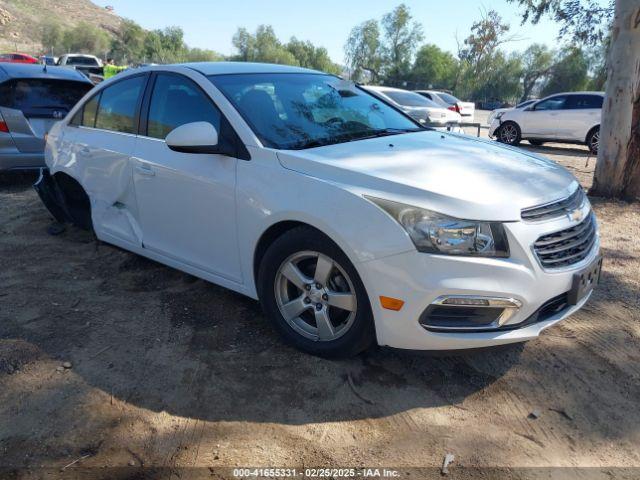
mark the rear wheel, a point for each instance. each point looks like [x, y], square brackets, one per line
[314, 296]
[509, 133]
[593, 140]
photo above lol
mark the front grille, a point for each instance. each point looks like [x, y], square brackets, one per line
[554, 209]
[567, 247]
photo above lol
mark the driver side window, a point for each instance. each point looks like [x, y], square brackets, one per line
[554, 103]
[176, 101]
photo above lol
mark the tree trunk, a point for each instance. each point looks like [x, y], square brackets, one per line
[618, 169]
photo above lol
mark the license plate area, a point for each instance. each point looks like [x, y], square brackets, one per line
[585, 281]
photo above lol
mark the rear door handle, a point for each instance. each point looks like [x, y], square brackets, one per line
[85, 151]
[145, 170]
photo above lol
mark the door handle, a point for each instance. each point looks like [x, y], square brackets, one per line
[85, 151]
[145, 170]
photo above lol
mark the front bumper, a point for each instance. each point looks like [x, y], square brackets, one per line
[421, 279]
[493, 127]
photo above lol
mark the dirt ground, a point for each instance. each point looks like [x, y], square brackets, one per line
[173, 377]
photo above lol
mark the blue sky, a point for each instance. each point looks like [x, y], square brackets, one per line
[212, 23]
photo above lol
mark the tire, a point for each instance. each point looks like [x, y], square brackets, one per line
[509, 133]
[536, 143]
[593, 140]
[344, 331]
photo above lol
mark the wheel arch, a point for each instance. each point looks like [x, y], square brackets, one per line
[590, 131]
[70, 199]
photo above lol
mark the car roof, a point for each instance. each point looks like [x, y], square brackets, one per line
[226, 68]
[25, 70]
[575, 93]
[79, 55]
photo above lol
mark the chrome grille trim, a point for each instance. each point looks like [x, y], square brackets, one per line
[554, 209]
[568, 246]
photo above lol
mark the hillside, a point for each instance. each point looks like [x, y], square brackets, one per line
[21, 21]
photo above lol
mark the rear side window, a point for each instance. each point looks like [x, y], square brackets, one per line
[448, 98]
[118, 105]
[579, 102]
[42, 97]
[176, 101]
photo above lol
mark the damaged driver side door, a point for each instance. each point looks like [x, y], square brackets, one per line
[104, 143]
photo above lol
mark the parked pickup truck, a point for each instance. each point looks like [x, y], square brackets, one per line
[87, 64]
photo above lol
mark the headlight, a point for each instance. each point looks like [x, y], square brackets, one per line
[433, 232]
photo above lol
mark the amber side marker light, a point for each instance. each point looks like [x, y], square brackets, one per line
[391, 303]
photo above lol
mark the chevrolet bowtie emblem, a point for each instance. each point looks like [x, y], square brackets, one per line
[575, 215]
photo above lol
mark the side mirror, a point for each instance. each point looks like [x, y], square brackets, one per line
[195, 137]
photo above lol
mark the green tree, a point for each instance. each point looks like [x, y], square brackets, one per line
[434, 68]
[263, 46]
[85, 38]
[128, 44]
[480, 57]
[202, 55]
[52, 36]
[537, 61]
[401, 38]
[244, 42]
[363, 51]
[569, 74]
[309, 56]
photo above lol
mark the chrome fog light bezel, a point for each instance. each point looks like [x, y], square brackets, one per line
[510, 307]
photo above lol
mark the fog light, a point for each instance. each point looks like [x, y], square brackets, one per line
[481, 302]
[469, 313]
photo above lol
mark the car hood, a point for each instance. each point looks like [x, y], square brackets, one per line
[452, 174]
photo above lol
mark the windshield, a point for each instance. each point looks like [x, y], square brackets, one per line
[87, 61]
[409, 99]
[303, 110]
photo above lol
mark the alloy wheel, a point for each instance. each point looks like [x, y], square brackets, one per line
[315, 296]
[595, 141]
[508, 133]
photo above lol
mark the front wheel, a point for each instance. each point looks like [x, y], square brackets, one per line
[509, 133]
[593, 140]
[314, 296]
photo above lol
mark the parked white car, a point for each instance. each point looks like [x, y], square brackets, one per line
[418, 107]
[466, 109]
[561, 118]
[350, 222]
[499, 111]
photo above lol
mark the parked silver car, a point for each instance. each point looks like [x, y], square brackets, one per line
[32, 99]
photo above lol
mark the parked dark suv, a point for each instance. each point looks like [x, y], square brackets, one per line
[32, 99]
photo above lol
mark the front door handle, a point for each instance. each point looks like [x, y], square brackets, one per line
[145, 170]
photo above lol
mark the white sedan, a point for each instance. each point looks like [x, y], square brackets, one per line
[351, 223]
[418, 107]
[466, 109]
[561, 118]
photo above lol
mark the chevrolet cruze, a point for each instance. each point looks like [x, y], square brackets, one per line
[350, 222]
